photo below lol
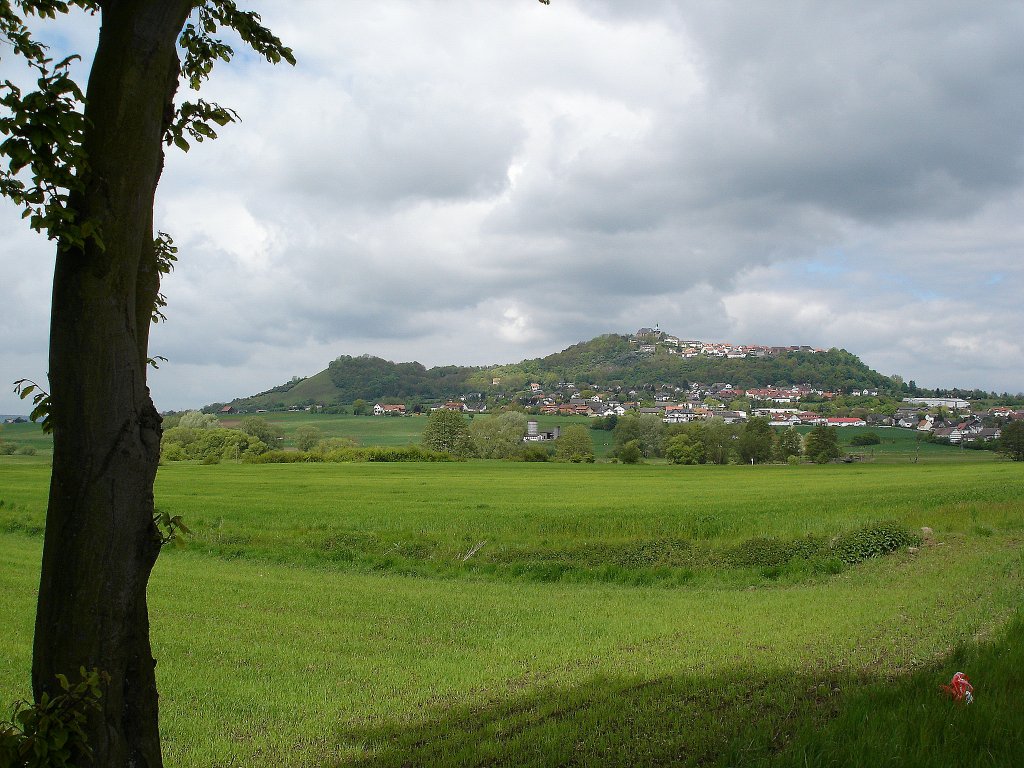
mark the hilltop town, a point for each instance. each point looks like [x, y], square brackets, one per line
[653, 373]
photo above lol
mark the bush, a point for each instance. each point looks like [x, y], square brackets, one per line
[684, 449]
[26, 450]
[575, 445]
[630, 453]
[534, 453]
[770, 553]
[172, 452]
[307, 437]
[349, 454]
[197, 420]
[182, 443]
[866, 438]
[7, 449]
[874, 540]
[51, 732]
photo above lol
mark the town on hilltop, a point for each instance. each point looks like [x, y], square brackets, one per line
[649, 340]
[655, 374]
[946, 419]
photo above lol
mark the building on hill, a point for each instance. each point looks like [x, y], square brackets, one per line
[381, 409]
[955, 403]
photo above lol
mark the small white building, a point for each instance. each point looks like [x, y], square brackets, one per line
[956, 403]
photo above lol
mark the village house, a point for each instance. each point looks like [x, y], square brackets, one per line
[383, 409]
[845, 421]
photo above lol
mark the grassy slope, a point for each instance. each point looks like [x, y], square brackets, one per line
[303, 663]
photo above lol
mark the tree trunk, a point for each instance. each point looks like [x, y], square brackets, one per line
[101, 542]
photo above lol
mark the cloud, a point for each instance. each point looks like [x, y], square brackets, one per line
[481, 183]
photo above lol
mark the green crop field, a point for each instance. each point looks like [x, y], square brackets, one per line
[490, 613]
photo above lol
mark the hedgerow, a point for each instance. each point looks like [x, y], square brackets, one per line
[350, 454]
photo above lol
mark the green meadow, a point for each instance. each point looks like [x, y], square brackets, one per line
[490, 613]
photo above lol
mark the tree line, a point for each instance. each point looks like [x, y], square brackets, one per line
[635, 438]
[715, 441]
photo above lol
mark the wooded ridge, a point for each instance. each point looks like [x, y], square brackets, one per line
[612, 362]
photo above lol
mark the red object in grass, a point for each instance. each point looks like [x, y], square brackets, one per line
[960, 688]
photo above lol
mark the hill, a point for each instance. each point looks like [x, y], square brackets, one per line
[610, 362]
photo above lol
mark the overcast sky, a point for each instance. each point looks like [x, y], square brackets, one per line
[481, 182]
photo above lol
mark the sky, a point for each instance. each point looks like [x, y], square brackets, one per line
[479, 183]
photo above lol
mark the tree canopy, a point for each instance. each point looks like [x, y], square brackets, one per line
[1011, 441]
[822, 444]
[447, 431]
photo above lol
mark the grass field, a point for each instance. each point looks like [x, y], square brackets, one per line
[329, 614]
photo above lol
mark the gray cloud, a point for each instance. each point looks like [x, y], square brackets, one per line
[481, 183]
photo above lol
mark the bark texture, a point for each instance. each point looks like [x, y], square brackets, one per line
[101, 542]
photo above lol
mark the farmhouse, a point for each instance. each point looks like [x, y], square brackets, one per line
[380, 409]
[534, 435]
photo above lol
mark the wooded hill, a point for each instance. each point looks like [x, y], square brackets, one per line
[607, 362]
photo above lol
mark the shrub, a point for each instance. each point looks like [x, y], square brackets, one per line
[172, 452]
[630, 453]
[684, 449]
[50, 732]
[771, 553]
[447, 431]
[534, 453]
[7, 449]
[198, 420]
[872, 541]
[866, 438]
[575, 445]
[180, 443]
[26, 450]
[349, 454]
[307, 437]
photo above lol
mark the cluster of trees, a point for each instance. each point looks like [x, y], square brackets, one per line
[337, 453]
[197, 436]
[716, 442]
[635, 438]
[373, 378]
[500, 436]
